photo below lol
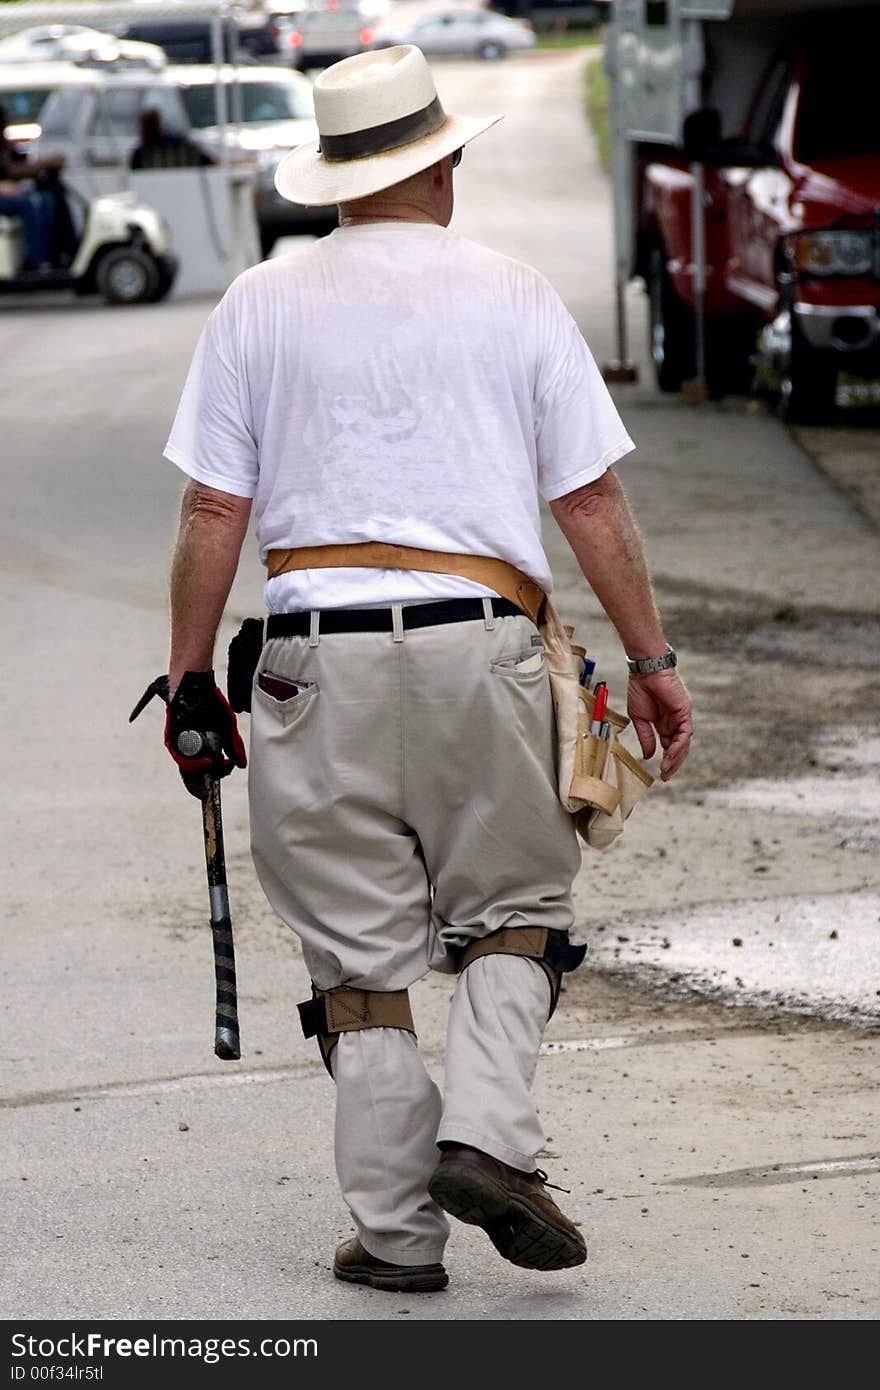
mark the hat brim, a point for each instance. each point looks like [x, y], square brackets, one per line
[304, 176]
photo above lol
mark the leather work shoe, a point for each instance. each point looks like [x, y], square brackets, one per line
[356, 1266]
[520, 1218]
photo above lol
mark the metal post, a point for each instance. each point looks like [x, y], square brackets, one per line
[698, 257]
[221, 104]
[622, 340]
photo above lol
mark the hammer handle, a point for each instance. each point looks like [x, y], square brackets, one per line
[226, 1036]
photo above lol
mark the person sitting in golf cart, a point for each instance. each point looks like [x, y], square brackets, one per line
[19, 198]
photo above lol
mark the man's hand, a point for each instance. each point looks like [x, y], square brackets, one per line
[660, 702]
[199, 708]
[211, 744]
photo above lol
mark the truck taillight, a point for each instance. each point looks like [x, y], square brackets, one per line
[366, 37]
[294, 38]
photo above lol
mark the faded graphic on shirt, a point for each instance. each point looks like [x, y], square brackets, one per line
[377, 390]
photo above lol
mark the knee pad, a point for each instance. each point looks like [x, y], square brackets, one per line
[333, 1011]
[551, 949]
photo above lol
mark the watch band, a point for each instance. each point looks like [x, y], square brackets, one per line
[647, 665]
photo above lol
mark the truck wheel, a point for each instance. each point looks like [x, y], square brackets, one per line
[127, 275]
[730, 344]
[672, 328]
[809, 384]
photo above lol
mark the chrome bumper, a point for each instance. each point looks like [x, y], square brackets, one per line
[833, 328]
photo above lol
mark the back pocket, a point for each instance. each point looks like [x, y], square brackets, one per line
[286, 699]
[526, 664]
[281, 688]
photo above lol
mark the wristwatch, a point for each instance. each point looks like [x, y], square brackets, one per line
[647, 665]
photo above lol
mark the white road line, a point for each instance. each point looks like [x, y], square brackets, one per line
[834, 1165]
[168, 1086]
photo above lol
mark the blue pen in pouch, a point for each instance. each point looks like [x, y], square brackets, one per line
[586, 674]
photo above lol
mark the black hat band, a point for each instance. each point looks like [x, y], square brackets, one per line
[378, 139]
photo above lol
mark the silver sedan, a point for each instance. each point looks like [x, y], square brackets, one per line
[460, 31]
[77, 43]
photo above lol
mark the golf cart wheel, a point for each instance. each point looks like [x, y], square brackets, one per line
[672, 328]
[490, 51]
[127, 275]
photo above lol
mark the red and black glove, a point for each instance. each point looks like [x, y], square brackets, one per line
[201, 733]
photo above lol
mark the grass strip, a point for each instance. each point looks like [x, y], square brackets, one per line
[583, 38]
[597, 109]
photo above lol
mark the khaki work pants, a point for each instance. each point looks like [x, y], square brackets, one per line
[403, 804]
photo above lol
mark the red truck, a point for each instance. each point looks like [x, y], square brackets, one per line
[747, 191]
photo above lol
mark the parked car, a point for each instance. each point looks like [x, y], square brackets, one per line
[272, 113]
[463, 31]
[315, 38]
[553, 14]
[76, 43]
[96, 123]
[249, 37]
[790, 147]
[24, 90]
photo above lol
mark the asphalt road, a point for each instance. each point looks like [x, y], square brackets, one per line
[721, 1159]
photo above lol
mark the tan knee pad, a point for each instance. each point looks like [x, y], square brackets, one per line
[345, 1009]
[552, 950]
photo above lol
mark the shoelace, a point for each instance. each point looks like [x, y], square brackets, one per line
[542, 1177]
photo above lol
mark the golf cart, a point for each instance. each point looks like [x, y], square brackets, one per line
[112, 245]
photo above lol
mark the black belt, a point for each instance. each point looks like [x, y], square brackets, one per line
[450, 610]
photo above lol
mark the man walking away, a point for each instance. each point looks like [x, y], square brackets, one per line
[394, 399]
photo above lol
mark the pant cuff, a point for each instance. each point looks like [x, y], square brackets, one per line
[452, 1133]
[392, 1254]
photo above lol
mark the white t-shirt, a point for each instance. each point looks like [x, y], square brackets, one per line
[394, 382]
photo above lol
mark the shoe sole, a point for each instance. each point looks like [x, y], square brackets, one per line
[426, 1281]
[520, 1231]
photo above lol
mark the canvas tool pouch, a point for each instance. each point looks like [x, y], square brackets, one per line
[599, 780]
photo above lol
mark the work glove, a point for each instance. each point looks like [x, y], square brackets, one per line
[201, 732]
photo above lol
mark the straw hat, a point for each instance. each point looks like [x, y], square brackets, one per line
[380, 121]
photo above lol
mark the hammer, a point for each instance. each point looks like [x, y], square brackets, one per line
[226, 1039]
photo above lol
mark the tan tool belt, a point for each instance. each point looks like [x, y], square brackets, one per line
[599, 780]
[498, 575]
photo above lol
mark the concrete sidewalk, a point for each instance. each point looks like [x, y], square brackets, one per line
[720, 1160]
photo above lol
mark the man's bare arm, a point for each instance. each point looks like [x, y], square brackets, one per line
[213, 525]
[600, 528]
